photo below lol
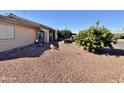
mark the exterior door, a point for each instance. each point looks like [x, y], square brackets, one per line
[50, 36]
[41, 37]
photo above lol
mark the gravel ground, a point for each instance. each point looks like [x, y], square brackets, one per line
[66, 64]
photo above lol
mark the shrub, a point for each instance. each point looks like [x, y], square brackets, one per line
[64, 34]
[95, 37]
[116, 37]
[120, 35]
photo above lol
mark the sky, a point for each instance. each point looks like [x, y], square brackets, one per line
[75, 20]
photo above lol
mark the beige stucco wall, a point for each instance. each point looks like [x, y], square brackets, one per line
[23, 36]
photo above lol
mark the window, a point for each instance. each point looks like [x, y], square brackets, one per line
[7, 32]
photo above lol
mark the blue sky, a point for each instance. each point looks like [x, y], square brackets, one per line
[73, 20]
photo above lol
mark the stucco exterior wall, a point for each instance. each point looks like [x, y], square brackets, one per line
[23, 36]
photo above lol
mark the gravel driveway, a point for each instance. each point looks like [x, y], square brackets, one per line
[66, 64]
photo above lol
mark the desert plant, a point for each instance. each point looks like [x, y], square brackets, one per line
[95, 37]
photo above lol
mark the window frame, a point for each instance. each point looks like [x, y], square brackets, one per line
[7, 38]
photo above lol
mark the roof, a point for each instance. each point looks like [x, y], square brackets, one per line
[13, 21]
[11, 18]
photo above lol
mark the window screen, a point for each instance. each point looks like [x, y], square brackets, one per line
[6, 32]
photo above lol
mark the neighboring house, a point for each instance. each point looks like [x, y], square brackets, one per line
[17, 32]
[118, 32]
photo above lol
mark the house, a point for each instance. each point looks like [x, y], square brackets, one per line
[17, 32]
[118, 32]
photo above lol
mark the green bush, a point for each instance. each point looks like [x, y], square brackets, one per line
[116, 37]
[64, 34]
[120, 35]
[95, 37]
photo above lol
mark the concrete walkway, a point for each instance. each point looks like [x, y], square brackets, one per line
[120, 44]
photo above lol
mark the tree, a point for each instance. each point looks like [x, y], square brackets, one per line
[97, 23]
[95, 37]
[64, 34]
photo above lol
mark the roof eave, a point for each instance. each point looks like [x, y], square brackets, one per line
[29, 22]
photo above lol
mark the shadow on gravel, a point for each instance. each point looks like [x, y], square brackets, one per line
[26, 52]
[68, 42]
[108, 51]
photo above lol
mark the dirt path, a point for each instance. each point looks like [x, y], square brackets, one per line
[68, 64]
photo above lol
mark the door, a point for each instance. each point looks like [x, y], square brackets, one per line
[50, 36]
[41, 37]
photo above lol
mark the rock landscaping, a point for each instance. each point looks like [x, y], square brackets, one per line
[67, 64]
